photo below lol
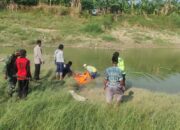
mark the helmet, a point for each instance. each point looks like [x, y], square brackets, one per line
[84, 65]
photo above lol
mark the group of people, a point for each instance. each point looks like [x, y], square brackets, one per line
[17, 69]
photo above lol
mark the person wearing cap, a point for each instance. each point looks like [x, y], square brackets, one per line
[10, 72]
[91, 69]
[113, 82]
[23, 74]
[38, 60]
[59, 61]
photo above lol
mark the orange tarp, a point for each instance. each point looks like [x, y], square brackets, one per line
[83, 78]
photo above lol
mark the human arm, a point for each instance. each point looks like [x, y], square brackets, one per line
[28, 70]
[39, 53]
[105, 80]
[105, 83]
[6, 66]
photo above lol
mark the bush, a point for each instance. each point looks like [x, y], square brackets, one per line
[26, 2]
[93, 28]
[64, 11]
[87, 5]
[108, 22]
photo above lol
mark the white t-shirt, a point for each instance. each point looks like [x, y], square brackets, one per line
[59, 56]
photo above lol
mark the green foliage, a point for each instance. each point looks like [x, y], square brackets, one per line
[26, 2]
[108, 22]
[108, 38]
[57, 2]
[93, 28]
[87, 5]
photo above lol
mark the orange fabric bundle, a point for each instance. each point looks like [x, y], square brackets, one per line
[83, 78]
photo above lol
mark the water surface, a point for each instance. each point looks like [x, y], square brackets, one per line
[152, 69]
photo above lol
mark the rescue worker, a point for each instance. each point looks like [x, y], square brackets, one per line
[91, 69]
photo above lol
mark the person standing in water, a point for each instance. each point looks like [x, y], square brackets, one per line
[59, 60]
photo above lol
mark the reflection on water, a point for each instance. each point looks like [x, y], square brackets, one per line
[154, 69]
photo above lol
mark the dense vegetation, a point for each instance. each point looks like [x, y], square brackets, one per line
[114, 6]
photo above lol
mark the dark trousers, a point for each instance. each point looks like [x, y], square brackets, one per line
[37, 71]
[23, 87]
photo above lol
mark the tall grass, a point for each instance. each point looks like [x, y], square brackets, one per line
[49, 106]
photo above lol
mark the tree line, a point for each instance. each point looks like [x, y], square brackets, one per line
[110, 6]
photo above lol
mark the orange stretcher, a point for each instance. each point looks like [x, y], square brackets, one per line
[82, 79]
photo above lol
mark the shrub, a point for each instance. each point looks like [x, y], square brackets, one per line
[64, 11]
[93, 28]
[26, 2]
[87, 5]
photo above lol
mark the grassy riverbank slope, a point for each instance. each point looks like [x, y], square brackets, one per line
[50, 106]
[24, 27]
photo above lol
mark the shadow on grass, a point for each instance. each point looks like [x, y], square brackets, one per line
[44, 83]
[128, 97]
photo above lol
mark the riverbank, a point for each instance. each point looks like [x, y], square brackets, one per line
[50, 106]
[24, 28]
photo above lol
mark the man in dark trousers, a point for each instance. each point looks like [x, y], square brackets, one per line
[10, 72]
[37, 59]
[23, 74]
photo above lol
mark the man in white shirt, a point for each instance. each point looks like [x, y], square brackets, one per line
[59, 60]
[38, 60]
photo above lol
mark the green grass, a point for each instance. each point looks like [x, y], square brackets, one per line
[49, 106]
[108, 38]
[25, 27]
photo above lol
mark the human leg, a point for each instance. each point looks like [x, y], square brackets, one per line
[25, 87]
[37, 71]
[20, 88]
[109, 95]
[61, 67]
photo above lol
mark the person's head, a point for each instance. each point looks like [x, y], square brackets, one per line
[70, 63]
[61, 47]
[116, 54]
[22, 53]
[38, 42]
[114, 60]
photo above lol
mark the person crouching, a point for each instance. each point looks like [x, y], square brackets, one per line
[23, 74]
[114, 82]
